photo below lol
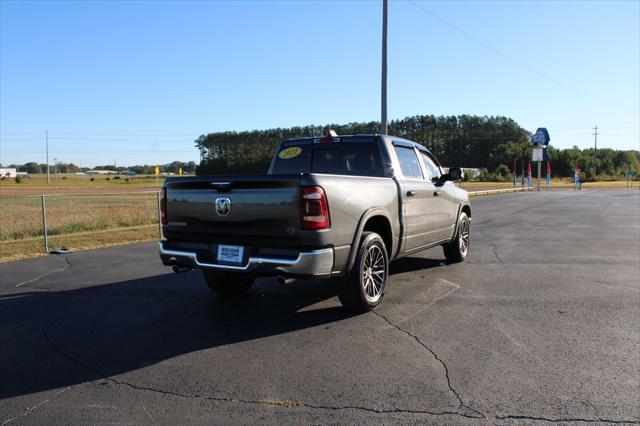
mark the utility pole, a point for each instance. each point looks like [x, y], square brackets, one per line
[46, 141]
[383, 118]
[595, 149]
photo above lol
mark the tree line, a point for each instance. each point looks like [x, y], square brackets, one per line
[491, 143]
[65, 168]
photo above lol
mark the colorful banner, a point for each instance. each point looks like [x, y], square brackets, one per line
[548, 173]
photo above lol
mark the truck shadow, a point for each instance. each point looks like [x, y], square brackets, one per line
[52, 339]
[412, 264]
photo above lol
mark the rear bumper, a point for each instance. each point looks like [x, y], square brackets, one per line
[315, 263]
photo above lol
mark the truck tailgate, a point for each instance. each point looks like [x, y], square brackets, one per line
[236, 206]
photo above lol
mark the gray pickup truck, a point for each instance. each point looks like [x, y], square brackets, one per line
[329, 207]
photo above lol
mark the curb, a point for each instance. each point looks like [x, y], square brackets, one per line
[496, 191]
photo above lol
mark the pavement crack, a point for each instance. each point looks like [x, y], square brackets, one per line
[461, 404]
[470, 414]
[566, 419]
[39, 277]
[31, 409]
[288, 404]
[495, 251]
[493, 245]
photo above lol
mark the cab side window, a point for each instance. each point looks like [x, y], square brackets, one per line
[432, 168]
[408, 163]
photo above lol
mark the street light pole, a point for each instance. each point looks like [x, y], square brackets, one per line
[46, 140]
[383, 118]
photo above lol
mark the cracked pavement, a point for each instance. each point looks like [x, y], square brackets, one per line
[541, 325]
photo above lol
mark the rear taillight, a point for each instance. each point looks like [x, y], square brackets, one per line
[163, 206]
[315, 211]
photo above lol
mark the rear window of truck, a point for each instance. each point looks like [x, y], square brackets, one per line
[338, 158]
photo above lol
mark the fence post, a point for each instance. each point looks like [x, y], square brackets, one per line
[159, 215]
[44, 224]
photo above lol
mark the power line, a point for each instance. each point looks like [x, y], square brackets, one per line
[488, 46]
[102, 153]
[118, 140]
[619, 135]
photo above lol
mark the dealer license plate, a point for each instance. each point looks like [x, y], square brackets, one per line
[232, 254]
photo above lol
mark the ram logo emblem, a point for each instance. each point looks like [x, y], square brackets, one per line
[223, 206]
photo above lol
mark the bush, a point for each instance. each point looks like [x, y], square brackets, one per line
[108, 179]
[116, 177]
[503, 170]
[92, 179]
[126, 179]
[19, 179]
[64, 177]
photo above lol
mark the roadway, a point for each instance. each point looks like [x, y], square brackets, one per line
[540, 325]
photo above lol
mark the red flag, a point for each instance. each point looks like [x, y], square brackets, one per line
[529, 169]
[548, 168]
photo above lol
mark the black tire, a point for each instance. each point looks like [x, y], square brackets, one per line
[228, 284]
[363, 289]
[457, 250]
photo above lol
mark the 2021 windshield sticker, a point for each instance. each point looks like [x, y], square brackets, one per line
[290, 152]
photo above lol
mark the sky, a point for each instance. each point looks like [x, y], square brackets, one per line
[136, 82]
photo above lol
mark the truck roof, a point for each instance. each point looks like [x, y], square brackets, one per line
[356, 138]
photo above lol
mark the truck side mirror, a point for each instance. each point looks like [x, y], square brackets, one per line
[455, 173]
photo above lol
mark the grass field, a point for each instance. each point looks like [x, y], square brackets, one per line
[555, 184]
[90, 219]
[37, 184]
[75, 221]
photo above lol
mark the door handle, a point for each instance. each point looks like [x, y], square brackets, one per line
[411, 193]
[436, 193]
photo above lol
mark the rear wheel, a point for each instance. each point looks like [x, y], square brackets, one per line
[228, 284]
[363, 290]
[457, 249]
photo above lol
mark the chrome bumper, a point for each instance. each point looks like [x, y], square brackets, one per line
[315, 263]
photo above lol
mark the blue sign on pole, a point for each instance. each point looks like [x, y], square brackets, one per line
[540, 137]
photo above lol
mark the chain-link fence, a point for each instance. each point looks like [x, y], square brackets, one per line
[32, 224]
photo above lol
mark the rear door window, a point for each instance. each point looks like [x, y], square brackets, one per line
[339, 158]
[409, 162]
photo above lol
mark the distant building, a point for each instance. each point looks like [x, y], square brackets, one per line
[8, 173]
[471, 172]
[100, 172]
[127, 172]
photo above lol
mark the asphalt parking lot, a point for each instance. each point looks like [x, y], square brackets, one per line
[542, 324]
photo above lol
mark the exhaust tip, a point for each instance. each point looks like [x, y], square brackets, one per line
[179, 269]
[283, 280]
